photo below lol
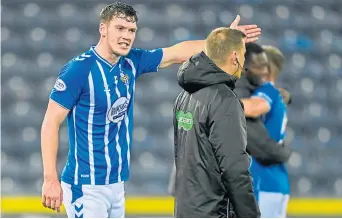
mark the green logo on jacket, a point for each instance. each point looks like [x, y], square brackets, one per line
[185, 120]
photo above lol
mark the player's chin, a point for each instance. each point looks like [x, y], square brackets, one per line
[122, 51]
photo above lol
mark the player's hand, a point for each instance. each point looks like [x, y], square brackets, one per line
[52, 195]
[252, 31]
[286, 95]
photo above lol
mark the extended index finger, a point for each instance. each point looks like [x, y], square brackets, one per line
[251, 40]
[247, 27]
[254, 34]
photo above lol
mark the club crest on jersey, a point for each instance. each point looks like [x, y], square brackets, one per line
[118, 110]
[124, 78]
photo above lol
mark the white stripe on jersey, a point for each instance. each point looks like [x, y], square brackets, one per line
[130, 62]
[106, 141]
[76, 162]
[90, 129]
[99, 57]
[118, 147]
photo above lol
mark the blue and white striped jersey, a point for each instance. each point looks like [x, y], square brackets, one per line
[100, 98]
[272, 178]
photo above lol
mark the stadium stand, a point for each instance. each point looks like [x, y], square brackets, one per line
[38, 37]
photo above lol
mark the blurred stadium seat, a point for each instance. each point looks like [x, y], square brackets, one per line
[38, 37]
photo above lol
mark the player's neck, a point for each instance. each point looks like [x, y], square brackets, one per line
[272, 79]
[106, 54]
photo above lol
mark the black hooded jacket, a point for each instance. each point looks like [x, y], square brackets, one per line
[212, 165]
[260, 145]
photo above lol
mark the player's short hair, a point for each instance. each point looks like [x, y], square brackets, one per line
[221, 42]
[118, 9]
[275, 56]
[252, 48]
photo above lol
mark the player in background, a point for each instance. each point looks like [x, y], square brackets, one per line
[272, 185]
[95, 93]
[260, 145]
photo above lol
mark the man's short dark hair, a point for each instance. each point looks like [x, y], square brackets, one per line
[252, 48]
[223, 41]
[118, 9]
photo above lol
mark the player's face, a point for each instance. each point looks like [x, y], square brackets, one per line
[259, 65]
[120, 34]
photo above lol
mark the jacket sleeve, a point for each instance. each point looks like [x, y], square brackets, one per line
[227, 135]
[172, 182]
[262, 147]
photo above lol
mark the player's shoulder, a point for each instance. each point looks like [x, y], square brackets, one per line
[266, 85]
[83, 61]
[134, 53]
[80, 64]
[269, 88]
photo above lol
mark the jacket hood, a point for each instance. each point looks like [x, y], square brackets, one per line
[200, 72]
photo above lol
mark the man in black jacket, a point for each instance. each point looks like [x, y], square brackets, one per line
[260, 145]
[212, 165]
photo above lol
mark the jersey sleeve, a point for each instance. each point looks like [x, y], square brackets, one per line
[68, 86]
[266, 92]
[147, 60]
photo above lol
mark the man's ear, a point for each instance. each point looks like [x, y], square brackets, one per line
[234, 58]
[103, 29]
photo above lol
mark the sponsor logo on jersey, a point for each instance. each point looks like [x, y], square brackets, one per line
[60, 85]
[118, 110]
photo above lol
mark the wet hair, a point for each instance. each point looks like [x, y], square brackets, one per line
[120, 10]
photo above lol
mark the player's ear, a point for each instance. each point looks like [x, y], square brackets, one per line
[103, 29]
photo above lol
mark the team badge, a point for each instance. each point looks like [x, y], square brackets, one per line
[124, 78]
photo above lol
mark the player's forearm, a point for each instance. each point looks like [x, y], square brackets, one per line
[49, 147]
[251, 108]
[190, 48]
[181, 52]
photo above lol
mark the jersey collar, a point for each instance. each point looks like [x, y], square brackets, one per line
[92, 48]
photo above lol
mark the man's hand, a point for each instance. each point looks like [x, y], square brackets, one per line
[181, 52]
[286, 95]
[255, 106]
[52, 195]
[252, 31]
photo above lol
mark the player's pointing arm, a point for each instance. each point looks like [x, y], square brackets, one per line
[181, 52]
